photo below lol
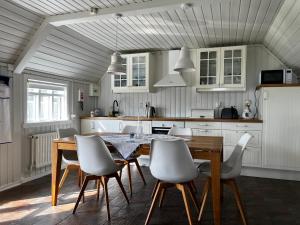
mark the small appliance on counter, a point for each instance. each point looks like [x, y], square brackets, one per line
[150, 110]
[281, 76]
[202, 113]
[247, 113]
[229, 113]
[96, 112]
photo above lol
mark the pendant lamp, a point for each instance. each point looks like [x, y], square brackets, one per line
[116, 67]
[184, 62]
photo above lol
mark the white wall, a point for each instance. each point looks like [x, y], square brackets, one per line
[178, 101]
[15, 157]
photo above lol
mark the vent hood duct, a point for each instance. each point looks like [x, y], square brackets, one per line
[173, 78]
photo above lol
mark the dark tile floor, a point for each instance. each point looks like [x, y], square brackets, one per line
[266, 201]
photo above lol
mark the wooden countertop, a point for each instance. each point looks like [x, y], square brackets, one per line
[276, 85]
[134, 118]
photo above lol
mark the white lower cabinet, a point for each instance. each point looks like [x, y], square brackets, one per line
[232, 132]
[205, 128]
[94, 125]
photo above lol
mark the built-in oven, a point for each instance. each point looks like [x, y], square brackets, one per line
[163, 127]
[160, 130]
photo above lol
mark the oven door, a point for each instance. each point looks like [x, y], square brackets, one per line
[160, 130]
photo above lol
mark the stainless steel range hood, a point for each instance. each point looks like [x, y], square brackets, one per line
[173, 78]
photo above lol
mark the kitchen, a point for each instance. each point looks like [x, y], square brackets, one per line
[213, 71]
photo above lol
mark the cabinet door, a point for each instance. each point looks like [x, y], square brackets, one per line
[86, 126]
[281, 136]
[139, 70]
[233, 67]
[208, 61]
[119, 82]
[206, 132]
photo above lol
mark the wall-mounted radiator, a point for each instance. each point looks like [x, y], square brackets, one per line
[41, 149]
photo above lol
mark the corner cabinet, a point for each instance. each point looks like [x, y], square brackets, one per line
[221, 69]
[139, 74]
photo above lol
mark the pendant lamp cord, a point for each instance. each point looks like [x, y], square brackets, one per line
[117, 33]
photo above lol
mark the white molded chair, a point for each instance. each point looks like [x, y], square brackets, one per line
[133, 159]
[230, 169]
[97, 163]
[172, 164]
[180, 131]
[69, 157]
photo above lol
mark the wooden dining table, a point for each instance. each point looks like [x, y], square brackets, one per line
[201, 147]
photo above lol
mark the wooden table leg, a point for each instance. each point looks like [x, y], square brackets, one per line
[216, 186]
[56, 156]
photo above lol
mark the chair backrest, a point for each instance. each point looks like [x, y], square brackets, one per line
[129, 129]
[68, 132]
[235, 160]
[94, 157]
[171, 161]
[180, 131]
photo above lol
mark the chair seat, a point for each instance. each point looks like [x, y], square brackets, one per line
[226, 170]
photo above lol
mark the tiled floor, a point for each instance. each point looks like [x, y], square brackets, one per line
[266, 201]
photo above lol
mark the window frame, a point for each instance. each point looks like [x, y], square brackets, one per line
[50, 81]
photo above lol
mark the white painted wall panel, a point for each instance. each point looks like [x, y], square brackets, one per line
[178, 102]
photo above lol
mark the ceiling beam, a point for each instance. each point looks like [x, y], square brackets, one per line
[131, 9]
[32, 46]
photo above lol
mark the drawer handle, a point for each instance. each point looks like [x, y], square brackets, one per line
[203, 131]
[204, 125]
[241, 125]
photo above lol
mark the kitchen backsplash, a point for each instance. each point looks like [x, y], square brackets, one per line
[178, 101]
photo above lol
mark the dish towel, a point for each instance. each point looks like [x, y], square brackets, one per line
[5, 120]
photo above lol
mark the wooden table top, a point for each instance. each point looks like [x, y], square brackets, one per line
[203, 143]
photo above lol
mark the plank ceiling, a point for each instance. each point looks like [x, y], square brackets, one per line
[275, 23]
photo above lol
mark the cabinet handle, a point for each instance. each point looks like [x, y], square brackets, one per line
[204, 125]
[203, 131]
[241, 125]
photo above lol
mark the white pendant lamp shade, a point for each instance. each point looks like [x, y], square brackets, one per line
[116, 66]
[184, 62]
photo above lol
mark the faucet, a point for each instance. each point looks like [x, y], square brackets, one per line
[114, 112]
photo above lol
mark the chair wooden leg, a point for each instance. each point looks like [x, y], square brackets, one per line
[203, 198]
[183, 190]
[63, 179]
[233, 186]
[85, 182]
[154, 189]
[99, 183]
[193, 195]
[162, 195]
[122, 187]
[120, 173]
[140, 170]
[155, 198]
[82, 180]
[104, 181]
[129, 177]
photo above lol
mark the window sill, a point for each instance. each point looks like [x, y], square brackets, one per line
[43, 124]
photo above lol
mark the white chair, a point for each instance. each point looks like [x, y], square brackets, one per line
[180, 131]
[68, 157]
[230, 169]
[97, 163]
[132, 159]
[172, 164]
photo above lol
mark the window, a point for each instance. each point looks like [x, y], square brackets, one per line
[46, 101]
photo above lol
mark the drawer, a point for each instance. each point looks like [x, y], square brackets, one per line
[204, 125]
[167, 124]
[232, 137]
[251, 157]
[206, 132]
[241, 126]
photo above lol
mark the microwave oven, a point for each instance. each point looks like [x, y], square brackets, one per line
[281, 76]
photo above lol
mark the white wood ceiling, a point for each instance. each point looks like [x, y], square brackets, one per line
[283, 38]
[64, 52]
[57, 7]
[211, 23]
[16, 27]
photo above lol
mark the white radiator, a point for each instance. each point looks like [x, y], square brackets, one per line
[41, 149]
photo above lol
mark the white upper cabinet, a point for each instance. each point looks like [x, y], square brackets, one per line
[221, 69]
[208, 67]
[138, 77]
